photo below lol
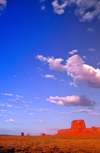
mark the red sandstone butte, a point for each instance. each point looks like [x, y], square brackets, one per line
[42, 134]
[22, 133]
[28, 134]
[78, 127]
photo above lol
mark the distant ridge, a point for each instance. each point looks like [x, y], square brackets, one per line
[78, 127]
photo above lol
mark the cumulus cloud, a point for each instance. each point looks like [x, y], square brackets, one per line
[72, 101]
[41, 58]
[53, 63]
[3, 4]
[76, 68]
[86, 10]
[11, 120]
[73, 51]
[59, 8]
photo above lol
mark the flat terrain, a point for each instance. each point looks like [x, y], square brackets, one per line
[50, 144]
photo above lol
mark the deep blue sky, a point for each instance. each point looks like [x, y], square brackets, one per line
[32, 33]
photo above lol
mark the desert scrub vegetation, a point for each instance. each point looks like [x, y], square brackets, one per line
[50, 144]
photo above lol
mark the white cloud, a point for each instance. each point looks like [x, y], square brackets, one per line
[49, 76]
[74, 84]
[23, 101]
[3, 4]
[41, 121]
[94, 113]
[42, 109]
[86, 10]
[86, 111]
[59, 9]
[11, 120]
[19, 96]
[73, 51]
[72, 101]
[64, 117]
[53, 63]
[31, 114]
[10, 106]
[81, 111]
[61, 80]
[6, 94]
[90, 30]
[43, 7]
[98, 63]
[41, 58]
[57, 112]
[84, 57]
[26, 110]
[78, 70]
[37, 97]
[92, 49]
[2, 105]
[17, 99]
[2, 110]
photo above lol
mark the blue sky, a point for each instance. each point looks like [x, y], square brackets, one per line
[50, 65]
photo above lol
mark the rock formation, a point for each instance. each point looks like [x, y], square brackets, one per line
[78, 124]
[78, 128]
[42, 134]
[22, 133]
[28, 134]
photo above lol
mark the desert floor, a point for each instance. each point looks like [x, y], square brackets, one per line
[50, 144]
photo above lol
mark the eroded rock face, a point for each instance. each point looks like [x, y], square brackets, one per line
[28, 134]
[42, 134]
[22, 133]
[78, 124]
[78, 128]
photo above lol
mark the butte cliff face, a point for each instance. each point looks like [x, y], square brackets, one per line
[78, 127]
[78, 124]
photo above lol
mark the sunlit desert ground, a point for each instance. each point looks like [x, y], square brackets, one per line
[50, 144]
